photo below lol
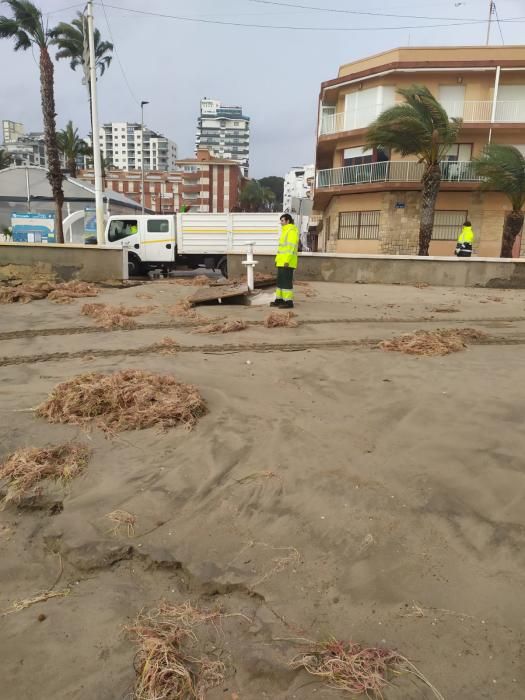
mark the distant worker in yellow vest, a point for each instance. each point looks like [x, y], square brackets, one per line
[465, 241]
[286, 263]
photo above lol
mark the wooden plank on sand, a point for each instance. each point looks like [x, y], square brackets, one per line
[266, 281]
[205, 294]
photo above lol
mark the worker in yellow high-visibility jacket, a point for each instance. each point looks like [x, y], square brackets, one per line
[286, 262]
[465, 241]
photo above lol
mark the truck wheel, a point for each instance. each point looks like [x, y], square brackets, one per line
[134, 266]
[223, 267]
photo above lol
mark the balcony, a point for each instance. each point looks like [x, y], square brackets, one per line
[471, 111]
[393, 171]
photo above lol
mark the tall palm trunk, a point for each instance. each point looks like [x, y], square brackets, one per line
[54, 174]
[511, 227]
[72, 167]
[431, 183]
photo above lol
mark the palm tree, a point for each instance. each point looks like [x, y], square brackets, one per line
[27, 28]
[418, 127]
[71, 146]
[255, 198]
[503, 168]
[72, 41]
[5, 159]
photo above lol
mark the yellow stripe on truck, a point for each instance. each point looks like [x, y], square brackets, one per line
[204, 230]
[160, 240]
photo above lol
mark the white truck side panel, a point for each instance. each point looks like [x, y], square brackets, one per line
[202, 233]
[199, 234]
[261, 229]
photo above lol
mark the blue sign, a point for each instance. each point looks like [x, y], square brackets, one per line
[90, 220]
[33, 228]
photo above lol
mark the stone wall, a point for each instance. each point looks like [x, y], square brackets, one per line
[61, 262]
[399, 223]
[397, 269]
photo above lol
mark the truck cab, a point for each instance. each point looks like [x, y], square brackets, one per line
[150, 240]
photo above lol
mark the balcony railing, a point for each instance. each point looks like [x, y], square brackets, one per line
[393, 171]
[481, 111]
[470, 111]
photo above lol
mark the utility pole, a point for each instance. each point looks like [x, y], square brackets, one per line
[144, 102]
[492, 7]
[99, 195]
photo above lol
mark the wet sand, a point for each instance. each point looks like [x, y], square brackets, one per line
[332, 490]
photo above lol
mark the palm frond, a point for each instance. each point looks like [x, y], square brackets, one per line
[420, 126]
[29, 20]
[8, 27]
[71, 40]
[23, 42]
[69, 142]
[503, 168]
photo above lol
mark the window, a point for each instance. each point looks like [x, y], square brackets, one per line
[448, 224]
[159, 225]
[119, 229]
[452, 97]
[363, 106]
[458, 151]
[511, 103]
[362, 156]
[358, 225]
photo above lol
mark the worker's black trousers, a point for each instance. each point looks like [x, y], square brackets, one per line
[284, 283]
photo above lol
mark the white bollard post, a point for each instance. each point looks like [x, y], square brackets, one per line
[250, 263]
[125, 266]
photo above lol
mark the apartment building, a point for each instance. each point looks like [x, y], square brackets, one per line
[204, 184]
[125, 146]
[298, 183]
[225, 132]
[24, 149]
[12, 131]
[370, 199]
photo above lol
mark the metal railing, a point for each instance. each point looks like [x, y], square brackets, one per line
[481, 110]
[393, 171]
[332, 123]
[470, 111]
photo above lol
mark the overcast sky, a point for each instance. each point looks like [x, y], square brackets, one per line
[273, 73]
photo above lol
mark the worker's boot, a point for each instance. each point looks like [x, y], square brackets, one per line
[286, 305]
[277, 302]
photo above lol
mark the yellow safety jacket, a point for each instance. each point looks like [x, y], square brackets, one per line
[288, 246]
[466, 235]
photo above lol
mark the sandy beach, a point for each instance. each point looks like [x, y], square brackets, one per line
[332, 490]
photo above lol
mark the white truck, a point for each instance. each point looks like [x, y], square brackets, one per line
[167, 241]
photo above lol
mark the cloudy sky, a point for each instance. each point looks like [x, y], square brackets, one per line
[273, 73]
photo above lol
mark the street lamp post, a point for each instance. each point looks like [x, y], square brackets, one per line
[97, 165]
[144, 102]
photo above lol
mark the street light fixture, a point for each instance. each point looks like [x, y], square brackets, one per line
[144, 102]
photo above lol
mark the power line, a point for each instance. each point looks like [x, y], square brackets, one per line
[295, 28]
[134, 97]
[63, 9]
[355, 12]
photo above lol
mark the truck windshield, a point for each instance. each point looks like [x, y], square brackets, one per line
[122, 228]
